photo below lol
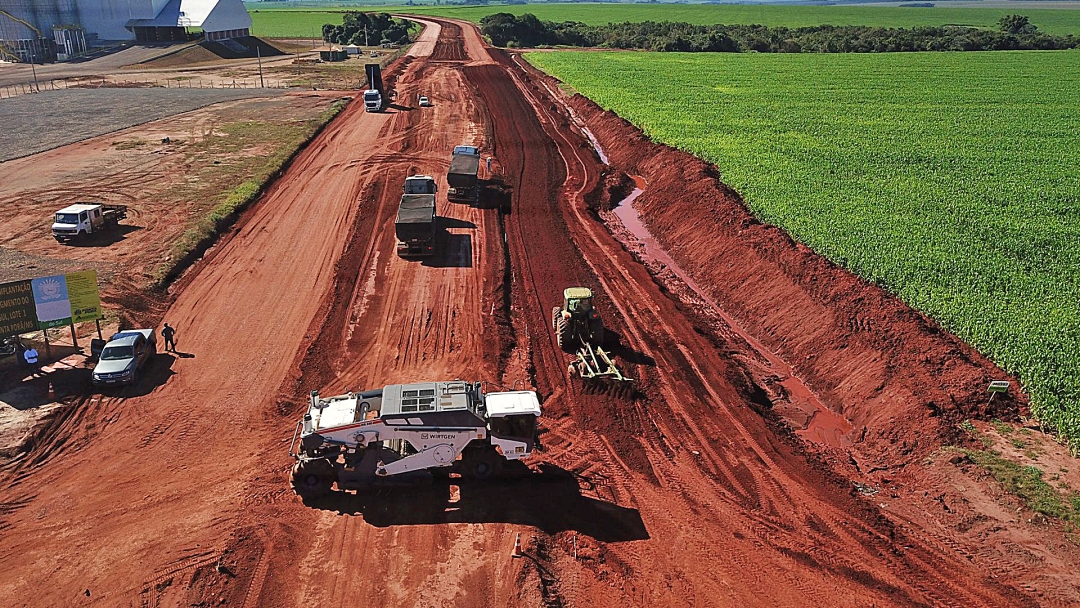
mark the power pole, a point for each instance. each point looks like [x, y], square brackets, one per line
[32, 68]
[258, 52]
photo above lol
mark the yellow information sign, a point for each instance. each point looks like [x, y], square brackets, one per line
[82, 290]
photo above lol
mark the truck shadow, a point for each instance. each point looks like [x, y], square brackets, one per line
[549, 499]
[156, 373]
[453, 250]
[106, 238]
[495, 194]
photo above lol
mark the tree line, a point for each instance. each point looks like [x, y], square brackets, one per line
[364, 29]
[1015, 32]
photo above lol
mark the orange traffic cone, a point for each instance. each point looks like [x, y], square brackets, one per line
[517, 547]
[52, 392]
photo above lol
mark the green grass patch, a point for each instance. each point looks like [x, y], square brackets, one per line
[287, 140]
[128, 144]
[950, 179]
[299, 22]
[292, 24]
[1027, 483]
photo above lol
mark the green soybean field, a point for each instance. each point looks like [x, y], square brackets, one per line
[950, 179]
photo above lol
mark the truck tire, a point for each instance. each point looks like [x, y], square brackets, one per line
[484, 464]
[555, 314]
[313, 478]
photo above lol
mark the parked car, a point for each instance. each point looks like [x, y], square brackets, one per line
[125, 354]
[425, 102]
[9, 346]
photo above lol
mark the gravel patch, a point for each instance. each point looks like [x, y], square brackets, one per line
[47, 120]
[18, 266]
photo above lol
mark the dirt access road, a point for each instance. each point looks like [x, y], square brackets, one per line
[682, 493]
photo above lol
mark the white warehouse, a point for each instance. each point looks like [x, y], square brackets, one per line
[48, 28]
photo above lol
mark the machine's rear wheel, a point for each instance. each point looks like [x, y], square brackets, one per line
[484, 464]
[563, 332]
[313, 478]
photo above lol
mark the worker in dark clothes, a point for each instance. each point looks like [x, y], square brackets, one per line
[170, 337]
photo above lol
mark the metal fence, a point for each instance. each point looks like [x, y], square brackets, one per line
[97, 82]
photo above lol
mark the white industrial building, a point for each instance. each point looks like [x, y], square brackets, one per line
[51, 28]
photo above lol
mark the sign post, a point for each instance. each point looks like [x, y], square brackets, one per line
[997, 386]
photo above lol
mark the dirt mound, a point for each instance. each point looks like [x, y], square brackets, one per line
[190, 55]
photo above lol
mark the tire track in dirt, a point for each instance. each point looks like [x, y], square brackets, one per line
[772, 468]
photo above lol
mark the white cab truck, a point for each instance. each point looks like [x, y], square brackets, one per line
[375, 95]
[401, 432]
[81, 220]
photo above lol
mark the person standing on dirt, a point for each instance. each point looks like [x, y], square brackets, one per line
[30, 355]
[169, 334]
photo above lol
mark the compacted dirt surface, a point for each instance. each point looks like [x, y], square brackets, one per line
[779, 445]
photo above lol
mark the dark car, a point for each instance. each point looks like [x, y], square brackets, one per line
[9, 346]
[124, 356]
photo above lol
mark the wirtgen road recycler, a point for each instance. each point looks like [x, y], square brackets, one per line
[402, 432]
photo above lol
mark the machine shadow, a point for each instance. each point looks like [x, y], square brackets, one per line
[613, 342]
[495, 194]
[156, 373]
[453, 250]
[549, 499]
[107, 237]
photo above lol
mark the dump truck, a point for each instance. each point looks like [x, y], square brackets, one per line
[580, 330]
[81, 220]
[415, 224]
[462, 176]
[375, 96]
[401, 433]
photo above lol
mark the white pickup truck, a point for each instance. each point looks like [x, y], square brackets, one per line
[81, 220]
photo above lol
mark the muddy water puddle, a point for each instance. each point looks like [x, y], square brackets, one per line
[822, 425]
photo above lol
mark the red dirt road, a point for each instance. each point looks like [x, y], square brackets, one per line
[688, 491]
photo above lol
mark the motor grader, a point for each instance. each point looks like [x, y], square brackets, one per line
[580, 330]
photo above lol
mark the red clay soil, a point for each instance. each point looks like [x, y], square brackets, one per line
[685, 490]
